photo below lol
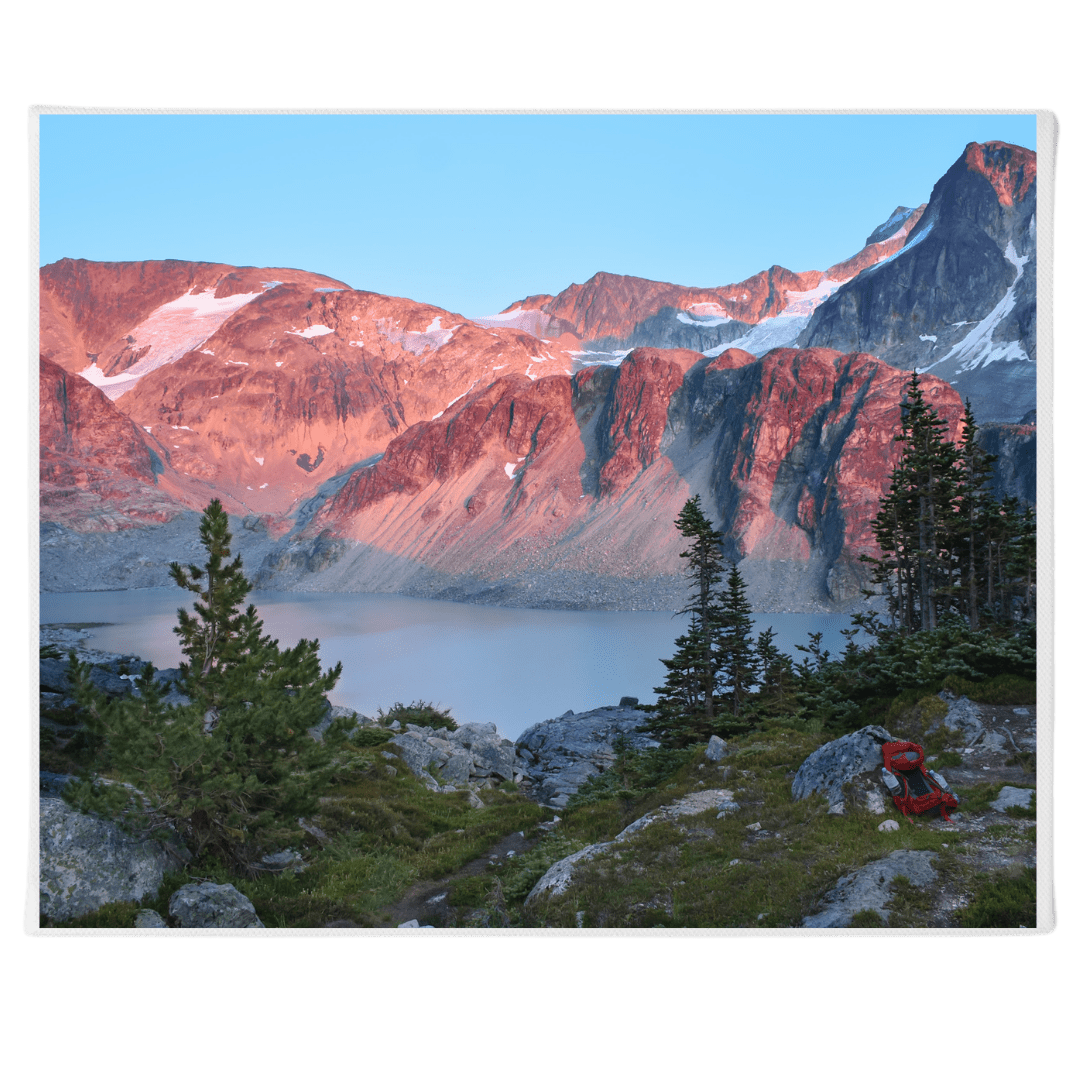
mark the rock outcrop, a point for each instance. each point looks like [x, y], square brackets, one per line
[561, 754]
[868, 889]
[86, 862]
[472, 756]
[853, 759]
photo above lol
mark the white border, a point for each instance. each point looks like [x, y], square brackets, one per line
[1047, 149]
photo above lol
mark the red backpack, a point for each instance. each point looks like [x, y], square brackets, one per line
[914, 788]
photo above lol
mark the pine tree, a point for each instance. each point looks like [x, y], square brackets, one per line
[231, 772]
[686, 705]
[974, 508]
[737, 657]
[915, 518]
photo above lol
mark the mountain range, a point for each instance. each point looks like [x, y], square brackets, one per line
[537, 456]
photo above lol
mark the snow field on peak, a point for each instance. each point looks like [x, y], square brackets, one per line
[168, 333]
[781, 331]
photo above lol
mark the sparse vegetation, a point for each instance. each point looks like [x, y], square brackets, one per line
[420, 713]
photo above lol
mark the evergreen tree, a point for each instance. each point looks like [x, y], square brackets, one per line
[737, 658]
[231, 772]
[686, 705]
[914, 522]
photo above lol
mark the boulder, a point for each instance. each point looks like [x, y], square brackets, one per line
[716, 749]
[205, 905]
[868, 887]
[86, 862]
[566, 751]
[149, 919]
[851, 758]
[283, 860]
[889, 825]
[962, 718]
[1013, 796]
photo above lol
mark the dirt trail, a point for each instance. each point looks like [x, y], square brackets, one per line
[428, 901]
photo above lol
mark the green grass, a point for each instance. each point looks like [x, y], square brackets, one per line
[1004, 901]
[684, 874]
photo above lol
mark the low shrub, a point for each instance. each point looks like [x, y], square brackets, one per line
[421, 713]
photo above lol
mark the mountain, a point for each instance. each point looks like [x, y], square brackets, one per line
[263, 383]
[538, 456]
[545, 492]
[958, 299]
[613, 312]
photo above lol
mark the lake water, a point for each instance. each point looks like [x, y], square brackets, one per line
[510, 666]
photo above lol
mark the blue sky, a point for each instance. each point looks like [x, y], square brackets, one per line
[472, 212]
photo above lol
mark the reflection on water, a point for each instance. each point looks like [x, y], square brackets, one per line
[510, 666]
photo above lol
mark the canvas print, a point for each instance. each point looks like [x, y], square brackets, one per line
[554, 521]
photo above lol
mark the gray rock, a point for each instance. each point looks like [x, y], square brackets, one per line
[206, 905]
[1013, 796]
[557, 878]
[868, 887]
[716, 749]
[86, 862]
[1021, 712]
[573, 747]
[839, 762]
[412, 924]
[875, 801]
[628, 702]
[283, 860]
[994, 742]
[962, 718]
[53, 783]
[472, 753]
[149, 919]
[889, 825]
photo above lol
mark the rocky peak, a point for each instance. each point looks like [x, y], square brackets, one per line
[1010, 169]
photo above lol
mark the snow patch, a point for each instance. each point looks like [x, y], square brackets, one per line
[702, 320]
[596, 357]
[928, 337]
[416, 341]
[261, 486]
[318, 330]
[449, 403]
[260, 460]
[169, 332]
[977, 348]
[510, 468]
[182, 427]
[804, 303]
[279, 363]
[146, 427]
[238, 363]
[271, 284]
[531, 320]
[781, 331]
[209, 352]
